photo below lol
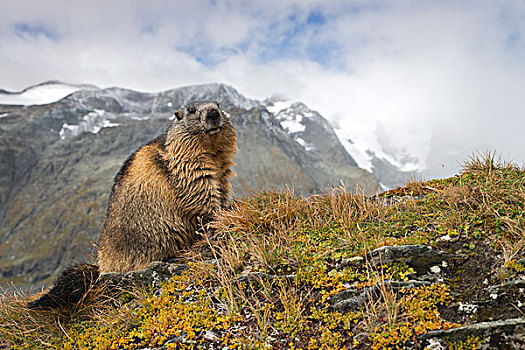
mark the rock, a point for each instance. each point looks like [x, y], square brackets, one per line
[509, 285]
[351, 299]
[155, 273]
[502, 334]
[421, 258]
[353, 261]
[346, 300]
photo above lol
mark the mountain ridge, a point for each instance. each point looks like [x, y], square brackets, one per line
[373, 151]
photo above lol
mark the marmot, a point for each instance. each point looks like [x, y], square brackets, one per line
[164, 193]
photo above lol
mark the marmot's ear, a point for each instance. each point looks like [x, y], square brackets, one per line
[179, 114]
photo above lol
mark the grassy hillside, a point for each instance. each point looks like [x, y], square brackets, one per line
[289, 272]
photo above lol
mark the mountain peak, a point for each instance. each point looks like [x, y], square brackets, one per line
[226, 95]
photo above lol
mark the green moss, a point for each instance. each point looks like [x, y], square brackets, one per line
[514, 266]
[470, 343]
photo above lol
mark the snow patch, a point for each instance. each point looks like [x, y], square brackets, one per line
[279, 106]
[305, 144]
[287, 116]
[358, 145]
[92, 122]
[293, 125]
[4, 115]
[38, 95]
[362, 146]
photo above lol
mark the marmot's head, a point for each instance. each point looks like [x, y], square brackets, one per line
[202, 125]
[201, 118]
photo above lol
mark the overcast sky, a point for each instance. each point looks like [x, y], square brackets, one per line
[442, 79]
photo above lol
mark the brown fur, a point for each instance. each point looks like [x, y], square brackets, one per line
[167, 190]
[163, 195]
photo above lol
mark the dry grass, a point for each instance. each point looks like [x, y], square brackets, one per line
[18, 324]
[380, 310]
[44, 329]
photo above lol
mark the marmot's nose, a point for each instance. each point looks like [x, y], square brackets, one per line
[213, 116]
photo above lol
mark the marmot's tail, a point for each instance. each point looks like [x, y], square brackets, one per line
[70, 287]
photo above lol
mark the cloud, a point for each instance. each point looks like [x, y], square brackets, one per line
[443, 78]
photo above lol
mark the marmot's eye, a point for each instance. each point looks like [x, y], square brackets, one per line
[191, 110]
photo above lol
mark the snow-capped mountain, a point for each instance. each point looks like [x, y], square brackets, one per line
[47, 92]
[365, 147]
[295, 118]
[373, 152]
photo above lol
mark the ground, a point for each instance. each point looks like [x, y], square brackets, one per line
[338, 270]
